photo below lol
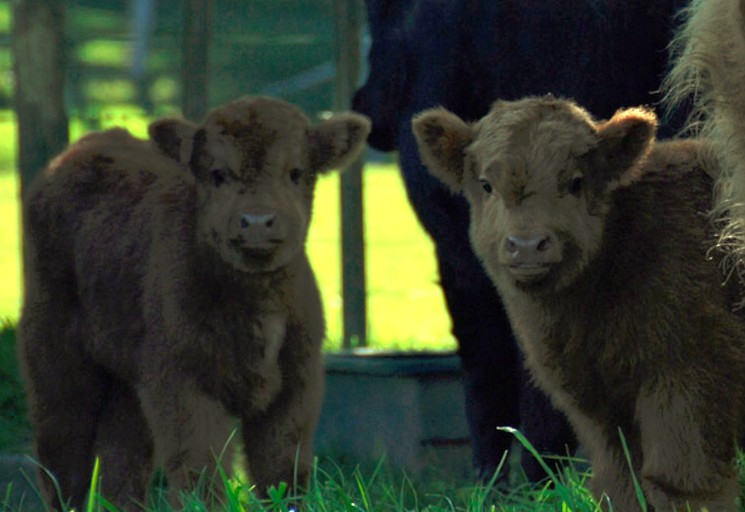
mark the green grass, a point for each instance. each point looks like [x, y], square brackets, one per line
[374, 487]
[380, 487]
[10, 273]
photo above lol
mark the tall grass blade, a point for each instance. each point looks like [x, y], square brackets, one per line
[481, 493]
[94, 487]
[637, 485]
[8, 492]
[407, 484]
[107, 505]
[57, 489]
[529, 446]
[231, 494]
[362, 488]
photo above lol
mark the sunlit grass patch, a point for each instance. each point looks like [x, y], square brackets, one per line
[105, 52]
[113, 115]
[10, 247]
[110, 90]
[8, 141]
[5, 17]
[406, 308]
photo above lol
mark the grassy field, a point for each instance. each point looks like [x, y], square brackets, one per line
[376, 488]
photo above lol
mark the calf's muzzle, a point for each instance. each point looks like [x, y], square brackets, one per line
[258, 230]
[526, 247]
[257, 221]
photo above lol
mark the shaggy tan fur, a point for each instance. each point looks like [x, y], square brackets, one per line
[169, 299]
[709, 70]
[598, 239]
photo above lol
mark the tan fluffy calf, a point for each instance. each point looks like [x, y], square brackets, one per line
[597, 239]
[168, 292]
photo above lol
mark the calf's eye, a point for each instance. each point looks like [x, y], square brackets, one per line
[218, 176]
[486, 186]
[295, 175]
[576, 184]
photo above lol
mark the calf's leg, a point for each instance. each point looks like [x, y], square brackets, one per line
[65, 393]
[611, 469]
[279, 442]
[688, 444]
[191, 434]
[124, 447]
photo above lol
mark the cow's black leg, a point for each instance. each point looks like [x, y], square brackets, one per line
[546, 428]
[489, 359]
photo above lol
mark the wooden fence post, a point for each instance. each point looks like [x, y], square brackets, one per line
[195, 63]
[38, 46]
[347, 23]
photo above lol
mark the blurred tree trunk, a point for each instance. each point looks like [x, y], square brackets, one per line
[38, 47]
[195, 65]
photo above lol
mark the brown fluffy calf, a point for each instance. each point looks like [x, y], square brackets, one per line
[168, 292]
[597, 239]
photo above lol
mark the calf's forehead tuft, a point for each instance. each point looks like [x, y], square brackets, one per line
[252, 127]
[546, 129]
[249, 115]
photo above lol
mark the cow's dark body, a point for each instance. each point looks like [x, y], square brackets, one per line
[464, 55]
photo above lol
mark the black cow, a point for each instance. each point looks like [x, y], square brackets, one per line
[463, 55]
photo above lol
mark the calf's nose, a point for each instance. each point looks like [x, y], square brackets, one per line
[251, 220]
[518, 245]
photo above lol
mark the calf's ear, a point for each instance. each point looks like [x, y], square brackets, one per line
[623, 143]
[336, 142]
[442, 138]
[174, 137]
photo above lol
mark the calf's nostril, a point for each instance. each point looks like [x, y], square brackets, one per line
[526, 245]
[249, 220]
[544, 245]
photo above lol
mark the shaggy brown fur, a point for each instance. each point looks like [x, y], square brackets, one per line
[709, 70]
[168, 293]
[597, 240]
